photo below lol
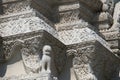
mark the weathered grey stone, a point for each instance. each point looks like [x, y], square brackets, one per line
[59, 40]
[91, 64]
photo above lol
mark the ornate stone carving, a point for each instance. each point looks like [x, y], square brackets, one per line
[80, 35]
[46, 59]
[23, 28]
[25, 25]
[81, 62]
[16, 7]
[30, 56]
[71, 52]
[31, 62]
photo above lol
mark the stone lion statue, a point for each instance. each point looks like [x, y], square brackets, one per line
[46, 59]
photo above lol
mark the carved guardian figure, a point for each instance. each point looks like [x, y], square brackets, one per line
[46, 59]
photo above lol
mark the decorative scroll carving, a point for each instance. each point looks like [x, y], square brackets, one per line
[29, 50]
[30, 56]
[71, 52]
[81, 62]
[31, 62]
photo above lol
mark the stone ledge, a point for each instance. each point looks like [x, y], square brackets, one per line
[24, 25]
[113, 38]
[111, 35]
[18, 6]
[72, 25]
[80, 35]
[24, 14]
[67, 7]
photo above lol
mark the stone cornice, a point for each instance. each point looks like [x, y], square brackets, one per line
[81, 48]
